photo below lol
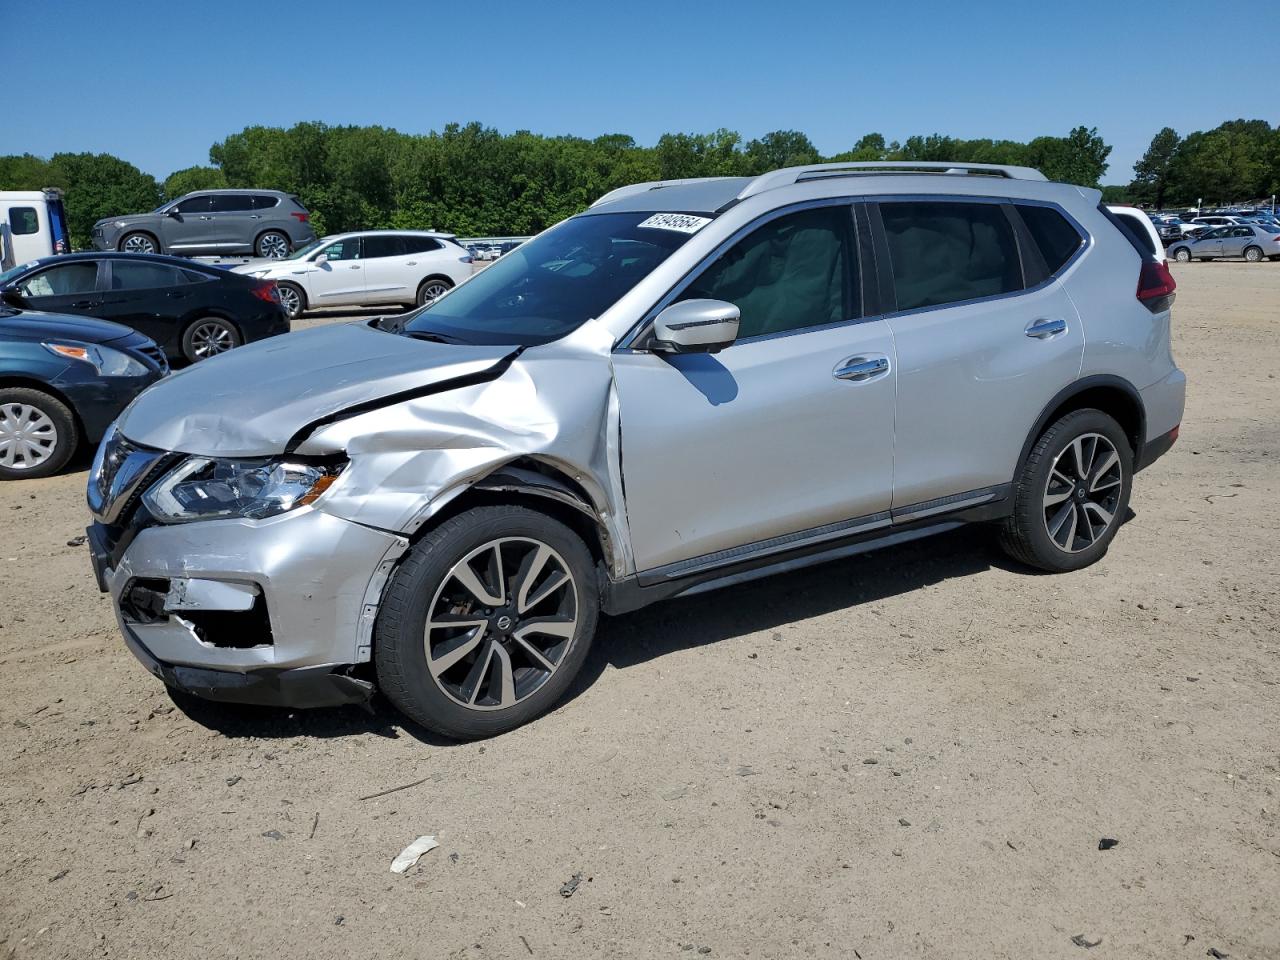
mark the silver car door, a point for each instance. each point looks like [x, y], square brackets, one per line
[978, 355]
[788, 430]
[1236, 240]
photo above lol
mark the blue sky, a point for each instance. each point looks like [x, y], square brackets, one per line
[158, 82]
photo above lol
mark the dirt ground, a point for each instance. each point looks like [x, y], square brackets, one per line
[909, 754]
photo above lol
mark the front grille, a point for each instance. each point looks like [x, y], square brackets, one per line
[153, 353]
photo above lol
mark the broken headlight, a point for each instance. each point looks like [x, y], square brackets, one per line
[201, 488]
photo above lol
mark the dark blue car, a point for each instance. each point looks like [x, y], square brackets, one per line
[62, 381]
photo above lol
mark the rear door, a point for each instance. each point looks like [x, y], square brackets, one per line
[985, 337]
[151, 297]
[74, 287]
[787, 431]
[1236, 240]
[233, 224]
[388, 277]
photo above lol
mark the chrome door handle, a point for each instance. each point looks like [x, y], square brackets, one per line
[412, 263]
[255, 216]
[1044, 329]
[355, 266]
[206, 218]
[860, 368]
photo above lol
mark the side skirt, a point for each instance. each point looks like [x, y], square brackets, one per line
[804, 549]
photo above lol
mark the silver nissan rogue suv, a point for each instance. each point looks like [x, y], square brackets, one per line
[690, 384]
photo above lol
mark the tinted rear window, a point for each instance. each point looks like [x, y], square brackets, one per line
[1139, 231]
[145, 276]
[946, 252]
[264, 201]
[1053, 233]
[380, 245]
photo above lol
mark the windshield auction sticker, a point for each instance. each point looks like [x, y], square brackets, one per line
[682, 222]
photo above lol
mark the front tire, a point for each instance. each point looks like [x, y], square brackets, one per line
[293, 299]
[38, 434]
[1253, 254]
[1071, 493]
[273, 245]
[139, 243]
[208, 337]
[486, 622]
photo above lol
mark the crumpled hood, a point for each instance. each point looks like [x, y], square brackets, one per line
[252, 401]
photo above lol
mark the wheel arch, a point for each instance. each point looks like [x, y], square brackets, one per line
[436, 276]
[34, 383]
[1114, 396]
[302, 291]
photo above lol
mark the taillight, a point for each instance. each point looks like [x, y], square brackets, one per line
[267, 291]
[1156, 286]
[300, 217]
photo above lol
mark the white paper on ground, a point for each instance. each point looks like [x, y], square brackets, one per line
[410, 854]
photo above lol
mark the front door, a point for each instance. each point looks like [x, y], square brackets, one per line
[1211, 244]
[64, 288]
[788, 430]
[979, 353]
[188, 226]
[340, 278]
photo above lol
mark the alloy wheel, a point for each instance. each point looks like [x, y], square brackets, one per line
[432, 291]
[501, 622]
[139, 244]
[1082, 493]
[209, 339]
[273, 246]
[1253, 254]
[28, 437]
[290, 300]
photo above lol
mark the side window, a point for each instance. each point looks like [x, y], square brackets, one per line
[948, 252]
[196, 204]
[796, 271]
[348, 249]
[415, 244]
[1242, 232]
[1139, 231]
[382, 245]
[264, 201]
[144, 276]
[1053, 233]
[231, 203]
[23, 220]
[61, 281]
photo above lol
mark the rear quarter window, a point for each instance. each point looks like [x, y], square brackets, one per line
[1139, 230]
[1053, 233]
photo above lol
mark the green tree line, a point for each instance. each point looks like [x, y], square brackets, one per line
[474, 180]
[1239, 160]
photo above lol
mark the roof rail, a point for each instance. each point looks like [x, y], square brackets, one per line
[634, 188]
[817, 171]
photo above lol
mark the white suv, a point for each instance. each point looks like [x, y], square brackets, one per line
[409, 267]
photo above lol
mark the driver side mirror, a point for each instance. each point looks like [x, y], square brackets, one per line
[173, 212]
[695, 326]
[321, 259]
[11, 296]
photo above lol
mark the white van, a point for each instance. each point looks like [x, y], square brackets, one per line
[33, 223]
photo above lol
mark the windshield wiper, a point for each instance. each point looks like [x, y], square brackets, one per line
[432, 337]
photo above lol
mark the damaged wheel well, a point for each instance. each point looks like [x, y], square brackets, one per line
[539, 486]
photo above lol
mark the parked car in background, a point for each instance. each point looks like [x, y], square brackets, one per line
[1144, 231]
[264, 223]
[192, 310]
[1217, 220]
[62, 381]
[1252, 241]
[408, 267]
[33, 223]
[688, 385]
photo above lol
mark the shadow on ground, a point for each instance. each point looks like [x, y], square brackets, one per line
[665, 628]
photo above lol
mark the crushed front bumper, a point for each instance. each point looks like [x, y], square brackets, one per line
[275, 611]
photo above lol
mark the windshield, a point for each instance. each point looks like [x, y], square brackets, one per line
[548, 287]
[14, 272]
[304, 251]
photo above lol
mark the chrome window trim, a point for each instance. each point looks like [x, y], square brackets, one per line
[626, 343]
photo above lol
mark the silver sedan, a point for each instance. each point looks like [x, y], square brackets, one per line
[1252, 241]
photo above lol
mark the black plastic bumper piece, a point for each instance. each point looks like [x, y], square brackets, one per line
[299, 687]
[1155, 449]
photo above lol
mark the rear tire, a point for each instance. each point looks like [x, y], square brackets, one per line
[494, 665]
[139, 243]
[208, 337]
[1253, 254]
[273, 245]
[433, 288]
[1071, 494]
[38, 434]
[1182, 255]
